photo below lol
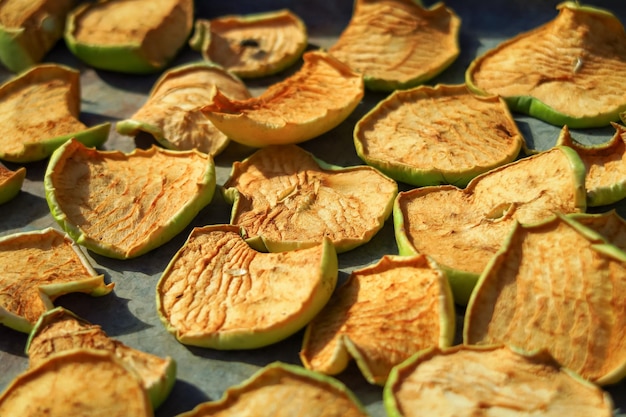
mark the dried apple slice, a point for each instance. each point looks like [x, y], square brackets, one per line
[285, 198]
[609, 224]
[398, 44]
[462, 229]
[380, 316]
[172, 112]
[35, 269]
[469, 381]
[536, 294]
[39, 111]
[60, 330]
[29, 29]
[217, 292]
[77, 383]
[10, 183]
[124, 205]
[278, 390]
[317, 98]
[568, 71]
[605, 164]
[254, 45]
[129, 36]
[437, 135]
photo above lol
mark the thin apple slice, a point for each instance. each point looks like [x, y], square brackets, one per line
[10, 183]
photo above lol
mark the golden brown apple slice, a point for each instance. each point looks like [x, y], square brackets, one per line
[556, 286]
[219, 293]
[35, 269]
[437, 135]
[285, 198]
[398, 44]
[380, 316]
[469, 381]
[10, 182]
[608, 224]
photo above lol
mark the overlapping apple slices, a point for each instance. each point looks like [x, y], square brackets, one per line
[172, 112]
[283, 390]
[381, 315]
[605, 163]
[39, 111]
[437, 135]
[129, 36]
[462, 229]
[318, 97]
[29, 29]
[285, 198]
[124, 205]
[254, 45]
[398, 44]
[35, 269]
[568, 71]
[10, 182]
[468, 381]
[536, 295]
[77, 383]
[59, 330]
[220, 293]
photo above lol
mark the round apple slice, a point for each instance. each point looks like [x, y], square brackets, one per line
[124, 205]
[29, 29]
[10, 183]
[557, 286]
[172, 112]
[254, 45]
[59, 330]
[129, 36]
[462, 229]
[568, 71]
[282, 390]
[35, 269]
[39, 112]
[398, 44]
[285, 198]
[380, 316]
[317, 98]
[470, 381]
[219, 293]
[77, 383]
[437, 135]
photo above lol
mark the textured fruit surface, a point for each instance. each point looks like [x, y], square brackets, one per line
[10, 182]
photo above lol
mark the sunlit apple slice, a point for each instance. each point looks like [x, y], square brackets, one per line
[172, 112]
[39, 111]
[29, 29]
[10, 182]
[469, 381]
[380, 316]
[254, 45]
[606, 166]
[77, 383]
[220, 293]
[560, 287]
[398, 44]
[124, 205]
[437, 135]
[317, 98]
[609, 224]
[462, 229]
[59, 330]
[569, 71]
[281, 389]
[129, 36]
[35, 269]
[285, 198]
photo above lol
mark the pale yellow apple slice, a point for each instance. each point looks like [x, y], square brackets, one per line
[380, 316]
[219, 293]
[35, 269]
[317, 98]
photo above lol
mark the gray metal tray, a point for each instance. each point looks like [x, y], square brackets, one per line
[129, 313]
